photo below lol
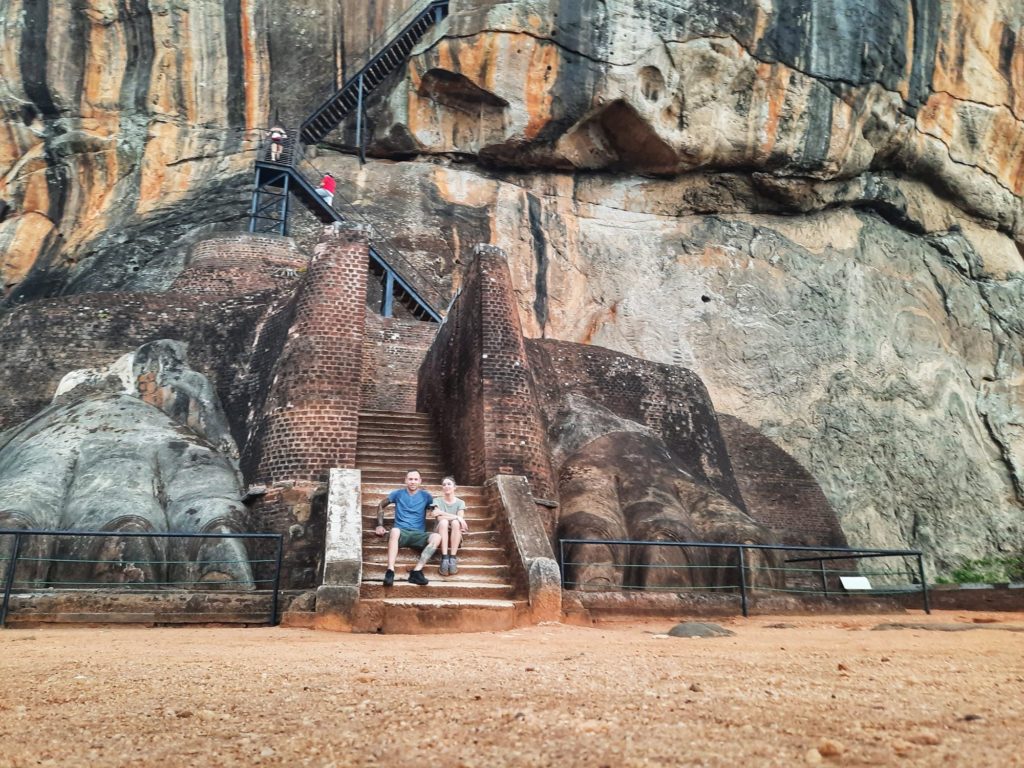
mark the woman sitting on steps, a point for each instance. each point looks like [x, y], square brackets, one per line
[450, 511]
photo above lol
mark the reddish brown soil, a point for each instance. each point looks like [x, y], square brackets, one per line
[783, 691]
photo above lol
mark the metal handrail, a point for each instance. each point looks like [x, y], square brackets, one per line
[382, 41]
[19, 533]
[836, 553]
[347, 211]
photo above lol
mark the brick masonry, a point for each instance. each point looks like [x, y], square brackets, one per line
[476, 385]
[779, 492]
[310, 420]
[393, 351]
[239, 263]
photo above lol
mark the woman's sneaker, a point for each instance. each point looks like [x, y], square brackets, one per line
[453, 565]
[444, 565]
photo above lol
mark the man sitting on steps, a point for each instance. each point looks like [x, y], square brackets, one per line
[410, 529]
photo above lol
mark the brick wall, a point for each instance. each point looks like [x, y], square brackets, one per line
[310, 419]
[299, 511]
[239, 263]
[393, 351]
[476, 385]
[779, 492]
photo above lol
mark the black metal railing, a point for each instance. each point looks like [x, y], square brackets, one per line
[741, 570]
[382, 57]
[284, 162]
[39, 565]
[268, 207]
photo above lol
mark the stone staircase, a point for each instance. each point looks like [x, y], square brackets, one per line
[480, 597]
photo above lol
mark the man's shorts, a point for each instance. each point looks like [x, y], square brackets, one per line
[415, 539]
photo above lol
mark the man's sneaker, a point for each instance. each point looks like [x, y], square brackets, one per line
[389, 577]
[453, 565]
[417, 577]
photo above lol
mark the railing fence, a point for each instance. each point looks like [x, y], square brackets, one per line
[739, 569]
[47, 565]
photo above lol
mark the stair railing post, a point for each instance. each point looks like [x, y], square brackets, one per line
[388, 299]
[284, 206]
[9, 581]
[255, 202]
[359, 121]
[924, 584]
[743, 580]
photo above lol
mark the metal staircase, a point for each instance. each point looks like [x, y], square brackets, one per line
[291, 173]
[350, 96]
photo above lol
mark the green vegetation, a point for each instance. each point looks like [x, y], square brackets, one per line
[986, 570]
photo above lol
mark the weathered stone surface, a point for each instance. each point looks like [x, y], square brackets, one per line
[796, 89]
[125, 126]
[816, 206]
[699, 629]
[133, 448]
[883, 353]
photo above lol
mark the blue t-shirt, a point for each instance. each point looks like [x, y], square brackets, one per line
[410, 509]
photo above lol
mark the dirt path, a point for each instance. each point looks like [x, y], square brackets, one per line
[783, 691]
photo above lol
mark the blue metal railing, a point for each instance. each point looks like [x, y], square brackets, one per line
[744, 577]
[15, 556]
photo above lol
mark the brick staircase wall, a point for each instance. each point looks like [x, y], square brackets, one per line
[310, 421]
[239, 263]
[475, 382]
[393, 351]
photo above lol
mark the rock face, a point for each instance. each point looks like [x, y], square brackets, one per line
[619, 479]
[127, 125]
[815, 205]
[144, 447]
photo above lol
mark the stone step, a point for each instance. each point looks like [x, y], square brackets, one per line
[489, 573]
[380, 431]
[397, 467]
[438, 587]
[473, 511]
[413, 431]
[400, 456]
[393, 478]
[397, 435]
[372, 542]
[393, 416]
[392, 443]
[387, 444]
[464, 492]
[471, 536]
[476, 520]
[428, 615]
[374, 550]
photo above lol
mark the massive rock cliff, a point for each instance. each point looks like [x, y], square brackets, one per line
[814, 204]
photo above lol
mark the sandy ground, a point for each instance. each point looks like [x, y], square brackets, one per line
[783, 691]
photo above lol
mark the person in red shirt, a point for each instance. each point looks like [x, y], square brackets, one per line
[327, 187]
